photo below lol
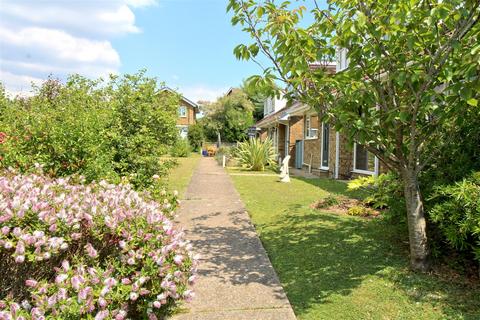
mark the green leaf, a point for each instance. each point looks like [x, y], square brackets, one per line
[472, 102]
[260, 12]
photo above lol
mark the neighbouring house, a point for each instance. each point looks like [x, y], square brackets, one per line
[187, 114]
[314, 146]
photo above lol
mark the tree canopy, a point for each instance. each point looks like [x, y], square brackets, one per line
[412, 67]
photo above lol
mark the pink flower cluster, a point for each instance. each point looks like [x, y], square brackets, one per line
[121, 254]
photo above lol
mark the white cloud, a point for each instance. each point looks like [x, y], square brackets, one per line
[18, 84]
[60, 37]
[202, 92]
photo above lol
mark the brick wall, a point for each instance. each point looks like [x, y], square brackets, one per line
[190, 118]
[331, 152]
[346, 159]
[296, 133]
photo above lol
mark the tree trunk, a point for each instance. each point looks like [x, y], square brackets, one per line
[416, 222]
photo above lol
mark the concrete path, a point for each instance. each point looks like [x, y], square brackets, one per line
[236, 279]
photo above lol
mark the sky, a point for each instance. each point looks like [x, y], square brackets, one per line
[188, 44]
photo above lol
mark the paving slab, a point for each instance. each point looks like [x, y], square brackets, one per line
[235, 278]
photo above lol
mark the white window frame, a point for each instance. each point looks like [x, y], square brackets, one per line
[322, 167]
[368, 172]
[308, 129]
[182, 111]
[342, 60]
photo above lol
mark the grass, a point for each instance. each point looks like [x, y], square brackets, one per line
[179, 177]
[340, 267]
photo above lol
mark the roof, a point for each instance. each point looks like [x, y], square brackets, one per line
[283, 114]
[188, 101]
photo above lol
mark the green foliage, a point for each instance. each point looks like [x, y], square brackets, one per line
[181, 149]
[359, 211]
[60, 127]
[412, 71]
[383, 191]
[457, 213]
[230, 116]
[256, 155]
[143, 127]
[196, 136]
[329, 201]
[257, 96]
[350, 268]
[101, 130]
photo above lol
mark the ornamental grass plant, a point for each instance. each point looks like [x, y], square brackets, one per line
[256, 155]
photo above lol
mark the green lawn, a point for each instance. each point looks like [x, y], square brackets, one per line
[341, 267]
[179, 177]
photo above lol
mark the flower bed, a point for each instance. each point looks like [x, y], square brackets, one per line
[74, 250]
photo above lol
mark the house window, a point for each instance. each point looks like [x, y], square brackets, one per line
[342, 61]
[363, 161]
[325, 146]
[310, 132]
[269, 106]
[182, 111]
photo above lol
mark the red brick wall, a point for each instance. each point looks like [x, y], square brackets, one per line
[296, 133]
[191, 116]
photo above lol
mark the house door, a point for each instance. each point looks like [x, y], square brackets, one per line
[299, 154]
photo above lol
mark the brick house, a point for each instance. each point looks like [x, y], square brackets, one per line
[187, 114]
[297, 130]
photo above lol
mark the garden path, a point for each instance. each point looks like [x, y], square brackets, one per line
[236, 279]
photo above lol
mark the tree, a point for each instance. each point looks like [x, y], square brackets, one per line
[229, 117]
[256, 96]
[413, 65]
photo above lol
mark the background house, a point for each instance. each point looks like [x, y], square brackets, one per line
[314, 146]
[187, 114]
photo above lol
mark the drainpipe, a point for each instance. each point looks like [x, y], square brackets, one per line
[337, 154]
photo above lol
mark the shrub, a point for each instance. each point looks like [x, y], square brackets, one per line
[327, 202]
[196, 136]
[457, 213]
[229, 153]
[61, 127]
[359, 211]
[101, 130]
[70, 250]
[256, 155]
[383, 192]
[181, 149]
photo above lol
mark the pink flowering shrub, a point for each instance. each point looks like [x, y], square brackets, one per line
[99, 251]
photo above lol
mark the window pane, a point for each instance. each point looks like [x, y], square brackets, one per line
[364, 160]
[325, 144]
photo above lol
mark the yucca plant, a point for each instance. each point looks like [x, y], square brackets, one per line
[256, 155]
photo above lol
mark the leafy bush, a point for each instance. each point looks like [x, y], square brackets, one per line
[60, 127]
[228, 118]
[99, 130]
[256, 155]
[383, 192]
[196, 136]
[359, 211]
[327, 202]
[457, 213]
[143, 127]
[229, 153]
[181, 149]
[70, 251]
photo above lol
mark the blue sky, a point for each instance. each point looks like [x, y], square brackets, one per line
[186, 43]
